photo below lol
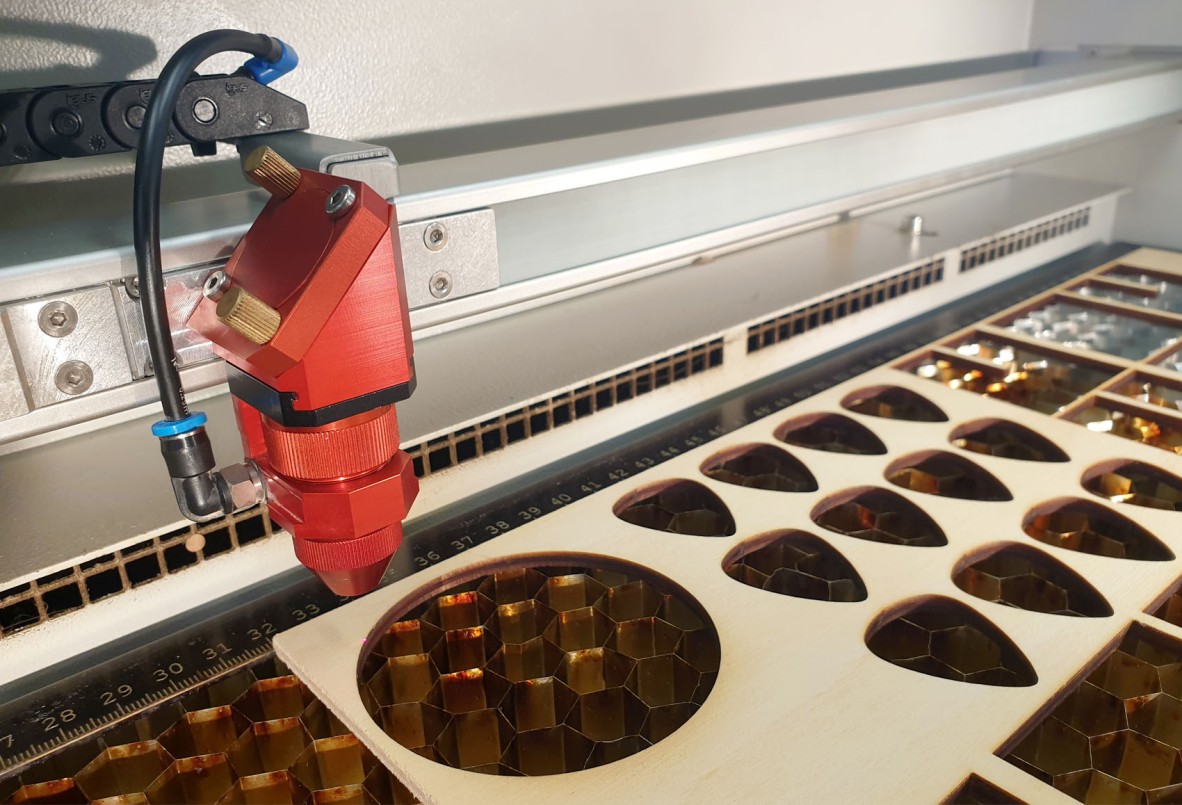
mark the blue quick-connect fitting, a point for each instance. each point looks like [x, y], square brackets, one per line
[176, 427]
[265, 72]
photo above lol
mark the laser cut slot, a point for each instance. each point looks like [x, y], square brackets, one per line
[680, 507]
[590, 666]
[832, 433]
[944, 638]
[1020, 576]
[1081, 525]
[879, 515]
[796, 563]
[893, 402]
[1135, 483]
[997, 437]
[760, 466]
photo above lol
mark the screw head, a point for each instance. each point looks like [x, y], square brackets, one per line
[340, 201]
[440, 284]
[66, 123]
[57, 319]
[263, 120]
[205, 111]
[216, 285]
[134, 116]
[73, 377]
[435, 236]
[132, 286]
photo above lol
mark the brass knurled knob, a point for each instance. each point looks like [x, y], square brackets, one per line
[271, 172]
[248, 315]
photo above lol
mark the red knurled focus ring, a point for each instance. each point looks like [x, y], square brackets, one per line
[345, 449]
[350, 553]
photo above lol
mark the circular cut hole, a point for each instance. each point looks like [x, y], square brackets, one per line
[942, 637]
[893, 402]
[833, 433]
[1080, 525]
[947, 475]
[679, 507]
[1024, 578]
[997, 437]
[760, 466]
[878, 515]
[798, 564]
[1135, 483]
[538, 670]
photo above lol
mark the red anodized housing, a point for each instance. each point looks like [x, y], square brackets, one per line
[342, 487]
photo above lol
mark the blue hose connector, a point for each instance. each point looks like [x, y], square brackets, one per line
[176, 427]
[265, 72]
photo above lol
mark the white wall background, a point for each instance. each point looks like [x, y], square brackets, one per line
[1151, 161]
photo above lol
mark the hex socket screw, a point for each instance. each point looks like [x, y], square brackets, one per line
[57, 319]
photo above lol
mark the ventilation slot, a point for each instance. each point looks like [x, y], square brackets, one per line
[539, 417]
[999, 246]
[810, 317]
[66, 590]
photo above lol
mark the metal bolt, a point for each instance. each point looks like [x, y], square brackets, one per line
[341, 201]
[132, 286]
[57, 319]
[435, 236]
[913, 226]
[216, 285]
[440, 284]
[74, 377]
[134, 116]
[263, 120]
[205, 110]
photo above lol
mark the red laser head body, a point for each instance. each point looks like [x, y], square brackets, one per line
[312, 320]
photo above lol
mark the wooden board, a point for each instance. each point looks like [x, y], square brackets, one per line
[802, 710]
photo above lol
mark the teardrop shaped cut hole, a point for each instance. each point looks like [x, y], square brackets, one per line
[893, 402]
[1022, 577]
[761, 466]
[833, 433]
[945, 474]
[1135, 483]
[879, 515]
[942, 637]
[798, 564]
[1081, 525]
[997, 437]
[679, 506]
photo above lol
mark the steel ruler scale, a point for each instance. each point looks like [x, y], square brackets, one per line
[127, 678]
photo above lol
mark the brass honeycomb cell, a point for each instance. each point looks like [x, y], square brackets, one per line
[893, 402]
[798, 564]
[1115, 737]
[879, 515]
[997, 437]
[1020, 576]
[944, 638]
[1019, 375]
[1170, 610]
[1135, 483]
[680, 507]
[541, 670]
[760, 466]
[1081, 525]
[231, 741]
[977, 791]
[1159, 433]
[833, 433]
[947, 475]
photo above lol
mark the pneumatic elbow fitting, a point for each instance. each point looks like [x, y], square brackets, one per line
[202, 492]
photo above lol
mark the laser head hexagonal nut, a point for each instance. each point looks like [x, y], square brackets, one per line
[242, 486]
